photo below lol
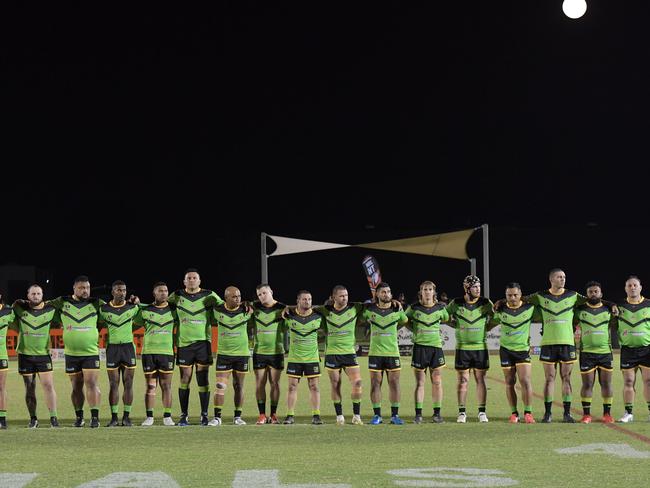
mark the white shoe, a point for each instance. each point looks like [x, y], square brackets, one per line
[214, 422]
[238, 421]
[168, 421]
[356, 420]
[627, 418]
[462, 418]
[482, 417]
[340, 420]
[147, 422]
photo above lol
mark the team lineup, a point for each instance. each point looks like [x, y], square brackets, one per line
[178, 330]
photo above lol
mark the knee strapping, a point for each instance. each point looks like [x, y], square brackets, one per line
[221, 388]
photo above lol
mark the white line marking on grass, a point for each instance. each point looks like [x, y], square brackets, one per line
[154, 479]
[16, 480]
[268, 478]
[470, 477]
[620, 450]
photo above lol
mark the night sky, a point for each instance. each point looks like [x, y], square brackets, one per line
[138, 143]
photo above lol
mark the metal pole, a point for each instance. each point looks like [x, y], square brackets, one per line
[472, 266]
[486, 260]
[265, 260]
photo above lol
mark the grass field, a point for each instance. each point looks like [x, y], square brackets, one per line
[306, 455]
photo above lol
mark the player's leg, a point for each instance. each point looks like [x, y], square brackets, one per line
[549, 387]
[586, 393]
[47, 383]
[436, 393]
[354, 375]
[335, 392]
[524, 373]
[607, 392]
[418, 394]
[565, 374]
[3, 398]
[30, 398]
[274, 382]
[394, 395]
[220, 395]
[165, 381]
[151, 385]
[481, 393]
[261, 375]
[186, 372]
[238, 378]
[77, 396]
[376, 380]
[113, 394]
[510, 379]
[91, 382]
[127, 395]
[203, 382]
[314, 398]
[462, 380]
[629, 379]
[292, 396]
[645, 375]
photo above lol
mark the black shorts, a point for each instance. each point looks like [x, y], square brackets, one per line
[466, 359]
[633, 357]
[338, 362]
[198, 353]
[590, 361]
[152, 363]
[308, 370]
[384, 363]
[273, 361]
[558, 354]
[425, 357]
[226, 364]
[120, 355]
[510, 359]
[28, 364]
[76, 364]
[4, 364]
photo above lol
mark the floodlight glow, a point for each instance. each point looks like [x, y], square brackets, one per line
[574, 9]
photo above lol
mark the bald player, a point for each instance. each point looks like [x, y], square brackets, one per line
[234, 322]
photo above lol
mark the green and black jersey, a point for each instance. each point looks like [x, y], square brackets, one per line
[471, 320]
[425, 322]
[6, 318]
[269, 331]
[158, 322]
[118, 321]
[515, 326]
[233, 330]
[33, 327]
[384, 324]
[195, 315]
[594, 322]
[79, 322]
[340, 327]
[557, 312]
[634, 323]
[303, 336]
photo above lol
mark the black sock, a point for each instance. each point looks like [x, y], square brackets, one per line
[149, 413]
[113, 415]
[394, 411]
[94, 413]
[436, 410]
[217, 412]
[274, 408]
[80, 413]
[481, 408]
[586, 408]
[356, 408]
[338, 408]
[167, 414]
[237, 413]
[567, 408]
[261, 406]
[547, 407]
[418, 411]
[184, 399]
[377, 410]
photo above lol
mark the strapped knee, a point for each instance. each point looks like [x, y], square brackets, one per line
[151, 389]
[221, 387]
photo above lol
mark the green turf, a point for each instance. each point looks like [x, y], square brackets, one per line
[359, 456]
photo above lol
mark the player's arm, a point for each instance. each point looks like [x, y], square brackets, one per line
[451, 311]
[409, 315]
[494, 321]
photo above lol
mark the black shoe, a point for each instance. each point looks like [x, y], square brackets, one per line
[316, 420]
[33, 423]
[437, 419]
[204, 420]
[183, 422]
[54, 422]
[3, 426]
[417, 419]
[126, 422]
[94, 422]
[289, 420]
[547, 419]
[113, 423]
[79, 422]
[567, 419]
